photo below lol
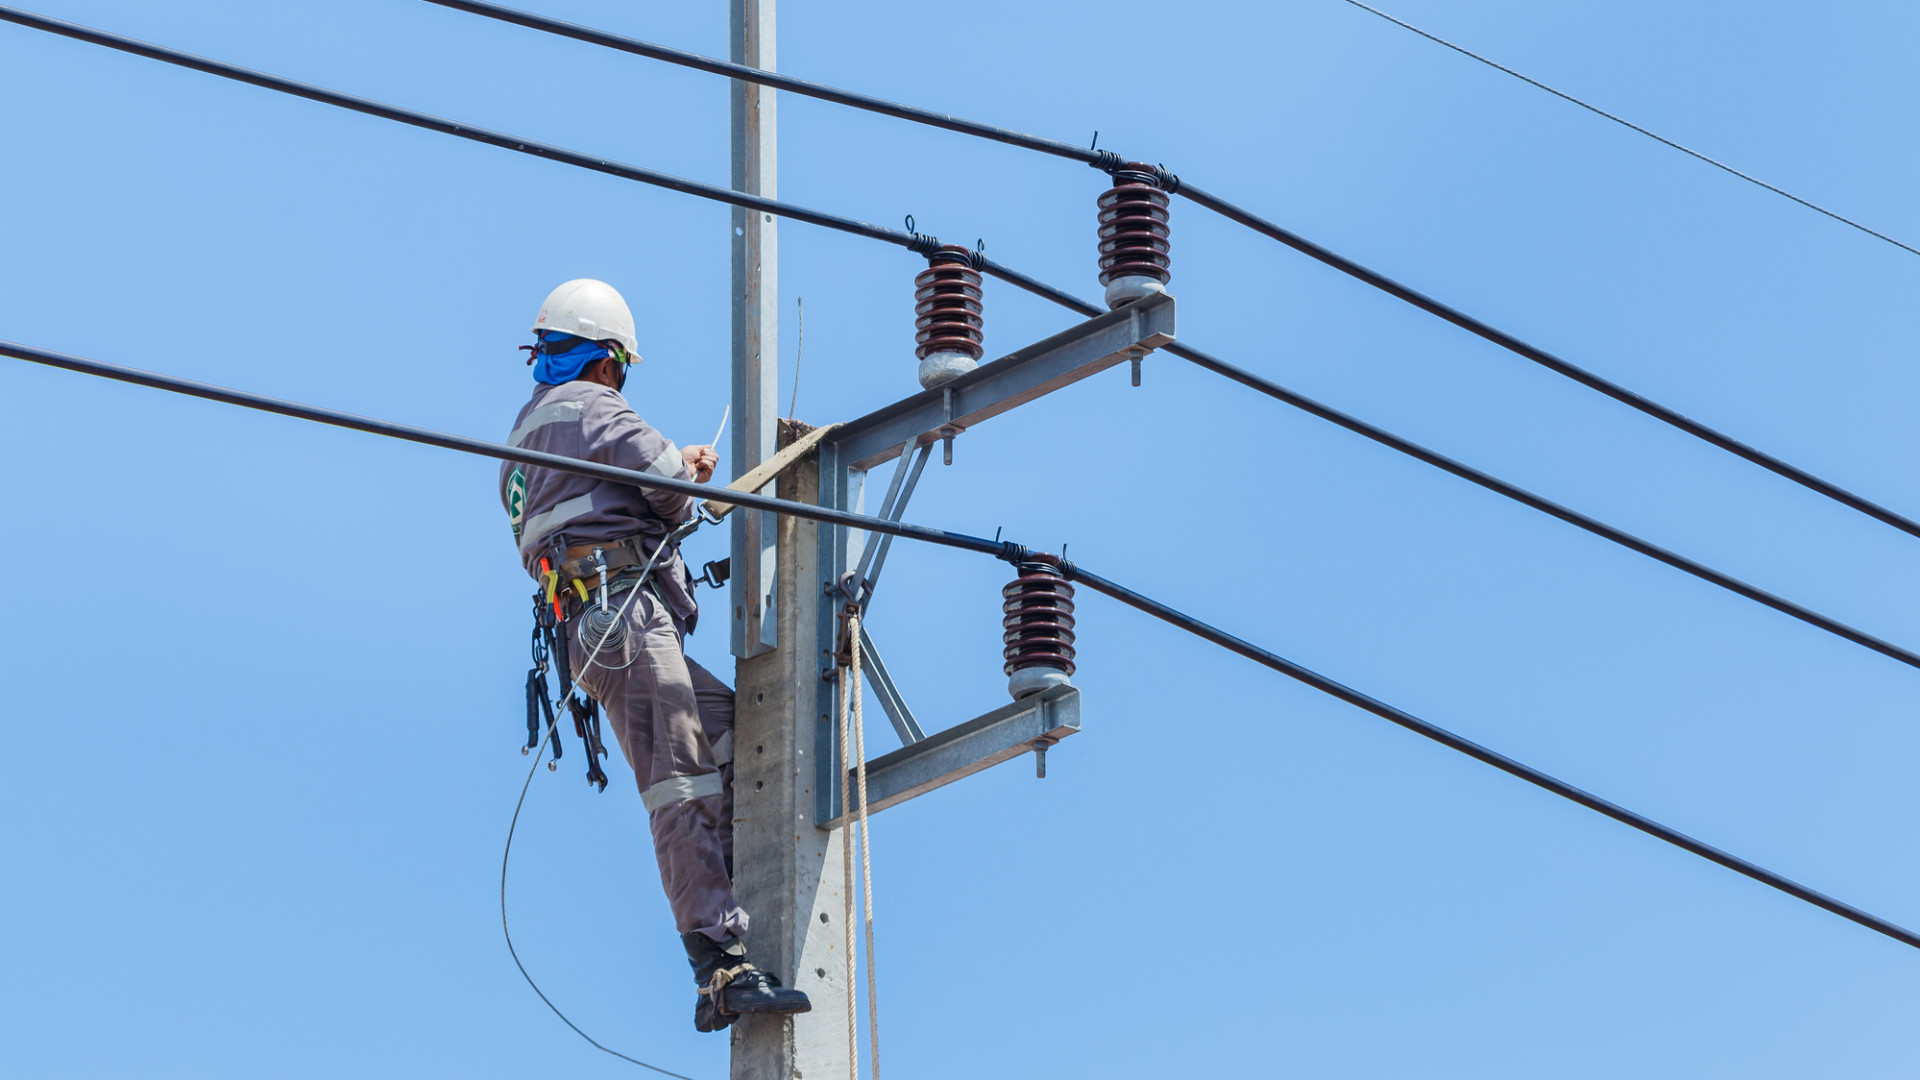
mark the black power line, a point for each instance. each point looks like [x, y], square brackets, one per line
[775, 80]
[1109, 161]
[1486, 480]
[1628, 124]
[482, 448]
[922, 243]
[444, 126]
[1005, 550]
[1551, 362]
[1490, 757]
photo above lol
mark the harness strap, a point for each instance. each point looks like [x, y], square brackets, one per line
[619, 555]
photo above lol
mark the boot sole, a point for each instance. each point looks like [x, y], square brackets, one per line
[775, 1010]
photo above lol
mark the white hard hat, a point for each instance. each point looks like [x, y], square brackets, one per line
[590, 309]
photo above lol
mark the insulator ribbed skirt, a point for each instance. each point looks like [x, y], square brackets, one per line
[1039, 619]
[1134, 238]
[947, 306]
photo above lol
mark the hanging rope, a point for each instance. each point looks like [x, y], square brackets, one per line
[853, 821]
[846, 878]
[866, 843]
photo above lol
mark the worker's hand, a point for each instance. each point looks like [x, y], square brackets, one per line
[700, 461]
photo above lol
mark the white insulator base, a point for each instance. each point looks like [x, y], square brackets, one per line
[944, 367]
[1125, 290]
[1029, 681]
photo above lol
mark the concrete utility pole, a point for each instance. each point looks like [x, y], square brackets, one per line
[788, 870]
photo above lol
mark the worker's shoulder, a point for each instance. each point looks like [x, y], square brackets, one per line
[579, 403]
[594, 405]
[591, 397]
[604, 413]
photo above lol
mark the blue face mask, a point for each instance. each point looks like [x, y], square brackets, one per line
[555, 362]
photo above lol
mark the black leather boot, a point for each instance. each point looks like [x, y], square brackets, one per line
[730, 985]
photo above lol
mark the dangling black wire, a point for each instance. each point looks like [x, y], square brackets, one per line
[507, 930]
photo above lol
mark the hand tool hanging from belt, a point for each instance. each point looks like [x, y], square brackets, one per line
[550, 641]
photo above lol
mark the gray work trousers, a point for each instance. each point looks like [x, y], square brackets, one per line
[674, 721]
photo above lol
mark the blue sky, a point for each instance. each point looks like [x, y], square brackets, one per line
[264, 677]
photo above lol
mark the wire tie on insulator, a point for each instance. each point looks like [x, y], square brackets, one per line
[1105, 160]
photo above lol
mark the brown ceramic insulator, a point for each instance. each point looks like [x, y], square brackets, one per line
[1039, 619]
[946, 305]
[1133, 228]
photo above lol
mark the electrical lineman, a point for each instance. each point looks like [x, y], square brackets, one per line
[609, 565]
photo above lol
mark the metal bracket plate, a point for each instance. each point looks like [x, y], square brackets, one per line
[1076, 353]
[964, 749]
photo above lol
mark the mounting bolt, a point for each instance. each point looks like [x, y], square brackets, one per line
[1040, 759]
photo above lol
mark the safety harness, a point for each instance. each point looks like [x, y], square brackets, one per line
[567, 591]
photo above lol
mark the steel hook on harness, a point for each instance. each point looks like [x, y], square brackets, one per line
[714, 575]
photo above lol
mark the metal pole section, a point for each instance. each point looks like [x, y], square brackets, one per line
[756, 339]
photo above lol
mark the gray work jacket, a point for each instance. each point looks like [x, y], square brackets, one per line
[550, 509]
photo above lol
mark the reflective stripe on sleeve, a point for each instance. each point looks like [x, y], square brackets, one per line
[676, 789]
[668, 463]
[539, 525]
[723, 748]
[551, 413]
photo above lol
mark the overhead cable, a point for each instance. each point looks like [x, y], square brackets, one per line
[1109, 161]
[918, 242]
[321, 94]
[483, 448]
[1551, 362]
[1006, 550]
[774, 80]
[1490, 757]
[1628, 124]
[1475, 476]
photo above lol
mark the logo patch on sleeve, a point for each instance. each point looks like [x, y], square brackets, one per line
[517, 499]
